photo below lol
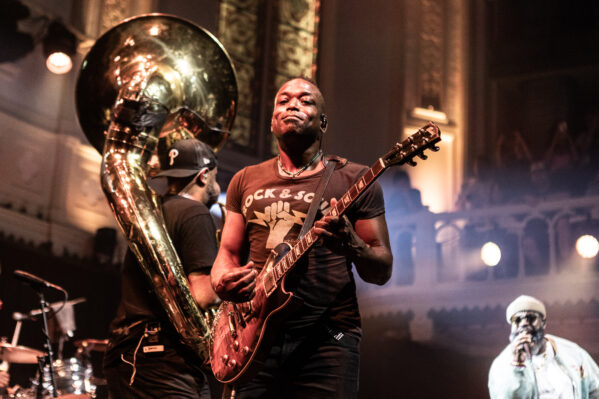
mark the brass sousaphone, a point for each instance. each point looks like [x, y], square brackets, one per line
[154, 79]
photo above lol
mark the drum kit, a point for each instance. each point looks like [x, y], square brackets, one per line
[73, 377]
[56, 377]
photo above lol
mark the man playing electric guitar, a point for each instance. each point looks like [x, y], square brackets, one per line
[315, 352]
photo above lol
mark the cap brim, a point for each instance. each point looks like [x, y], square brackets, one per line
[176, 173]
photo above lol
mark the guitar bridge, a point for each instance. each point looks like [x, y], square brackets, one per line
[232, 329]
[239, 315]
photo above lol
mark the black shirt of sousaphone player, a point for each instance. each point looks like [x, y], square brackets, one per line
[144, 357]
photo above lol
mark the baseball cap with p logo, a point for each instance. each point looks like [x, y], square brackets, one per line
[186, 157]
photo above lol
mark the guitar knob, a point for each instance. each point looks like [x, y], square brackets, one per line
[245, 350]
[233, 363]
[236, 345]
[225, 359]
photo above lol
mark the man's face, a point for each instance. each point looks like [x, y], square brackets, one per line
[298, 107]
[532, 323]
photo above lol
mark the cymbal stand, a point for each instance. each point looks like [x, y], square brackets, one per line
[46, 359]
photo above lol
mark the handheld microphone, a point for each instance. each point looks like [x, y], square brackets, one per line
[35, 281]
[525, 349]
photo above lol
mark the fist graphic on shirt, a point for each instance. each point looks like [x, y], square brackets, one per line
[279, 218]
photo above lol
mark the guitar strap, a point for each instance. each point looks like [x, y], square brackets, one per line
[322, 184]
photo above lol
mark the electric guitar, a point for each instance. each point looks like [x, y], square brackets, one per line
[242, 333]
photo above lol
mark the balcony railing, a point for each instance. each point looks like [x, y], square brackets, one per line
[437, 262]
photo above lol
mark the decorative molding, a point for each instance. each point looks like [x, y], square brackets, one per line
[51, 177]
[453, 102]
[432, 46]
[239, 34]
[297, 38]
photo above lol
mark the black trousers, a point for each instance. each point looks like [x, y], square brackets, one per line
[169, 372]
[319, 364]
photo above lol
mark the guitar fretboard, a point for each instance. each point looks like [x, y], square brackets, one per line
[307, 241]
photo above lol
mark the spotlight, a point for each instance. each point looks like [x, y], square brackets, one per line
[587, 246]
[490, 254]
[59, 45]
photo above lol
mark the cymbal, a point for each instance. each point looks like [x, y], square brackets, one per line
[18, 354]
[98, 345]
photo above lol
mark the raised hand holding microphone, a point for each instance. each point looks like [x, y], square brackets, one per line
[521, 348]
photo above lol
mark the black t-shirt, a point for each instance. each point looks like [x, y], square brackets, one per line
[193, 233]
[274, 208]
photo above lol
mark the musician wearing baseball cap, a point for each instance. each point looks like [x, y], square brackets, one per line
[539, 365]
[144, 357]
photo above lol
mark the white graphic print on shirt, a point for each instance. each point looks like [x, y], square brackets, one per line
[278, 215]
[279, 220]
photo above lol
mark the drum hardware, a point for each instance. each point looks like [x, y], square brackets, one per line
[69, 378]
[38, 285]
[54, 306]
[90, 345]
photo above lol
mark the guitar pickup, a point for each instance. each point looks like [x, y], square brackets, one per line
[269, 283]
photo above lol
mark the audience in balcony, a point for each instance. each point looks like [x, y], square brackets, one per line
[542, 187]
[568, 167]
[481, 189]
[513, 161]
[561, 156]
[563, 160]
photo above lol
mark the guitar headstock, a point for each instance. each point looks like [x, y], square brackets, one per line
[425, 138]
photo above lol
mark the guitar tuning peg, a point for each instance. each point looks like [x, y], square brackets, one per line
[423, 157]
[435, 148]
[411, 162]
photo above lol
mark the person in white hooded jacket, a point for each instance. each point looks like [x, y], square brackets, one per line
[536, 365]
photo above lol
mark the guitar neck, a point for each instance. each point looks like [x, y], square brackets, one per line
[307, 241]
